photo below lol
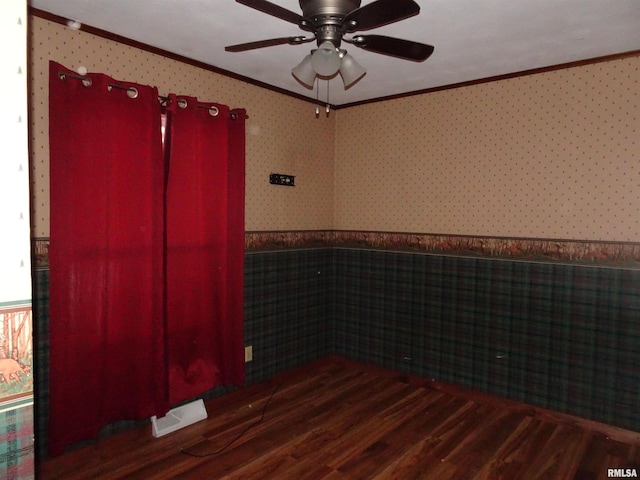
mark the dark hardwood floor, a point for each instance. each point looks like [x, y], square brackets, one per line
[338, 419]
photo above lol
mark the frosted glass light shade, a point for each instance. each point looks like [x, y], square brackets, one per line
[304, 72]
[351, 70]
[325, 60]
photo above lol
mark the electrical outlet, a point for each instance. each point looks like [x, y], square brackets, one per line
[248, 353]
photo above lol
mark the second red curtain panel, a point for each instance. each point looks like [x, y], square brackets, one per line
[204, 343]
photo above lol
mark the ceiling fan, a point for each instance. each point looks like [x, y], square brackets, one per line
[328, 21]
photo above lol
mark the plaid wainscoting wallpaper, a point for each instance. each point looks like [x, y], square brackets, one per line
[16, 443]
[288, 309]
[549, 323]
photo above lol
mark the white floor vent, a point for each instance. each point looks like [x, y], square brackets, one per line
[178, 418]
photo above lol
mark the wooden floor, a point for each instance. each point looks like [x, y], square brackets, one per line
[341, 420]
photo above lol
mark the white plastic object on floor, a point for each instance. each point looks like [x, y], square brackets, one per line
[178, 418]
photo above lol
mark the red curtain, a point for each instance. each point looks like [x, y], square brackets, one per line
[205, 246]
[106, 331]
[146, 256]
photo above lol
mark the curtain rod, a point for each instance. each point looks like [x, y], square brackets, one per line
[132, 92]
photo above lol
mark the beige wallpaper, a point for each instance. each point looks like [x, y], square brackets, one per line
[283, 134]
[551, 155]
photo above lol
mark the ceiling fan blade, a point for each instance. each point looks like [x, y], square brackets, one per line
[243, 47]
[379, 13]
[396, 47]
[273, 9]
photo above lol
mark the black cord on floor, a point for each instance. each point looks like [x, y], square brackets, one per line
[247, 428]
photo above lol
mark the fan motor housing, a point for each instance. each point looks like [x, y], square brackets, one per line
[319, 10]
[327, 16]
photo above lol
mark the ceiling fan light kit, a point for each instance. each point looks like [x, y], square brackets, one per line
[326, 62]
[329, 21]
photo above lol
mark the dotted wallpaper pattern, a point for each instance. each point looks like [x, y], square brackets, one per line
[550, 155]
[283, 134]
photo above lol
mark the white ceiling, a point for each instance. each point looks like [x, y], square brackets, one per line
[473, 39]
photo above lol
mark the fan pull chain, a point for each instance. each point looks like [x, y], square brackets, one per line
[317, 97]
[328, 105]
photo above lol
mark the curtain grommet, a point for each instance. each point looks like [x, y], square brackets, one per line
[132, 92]
[213, 111]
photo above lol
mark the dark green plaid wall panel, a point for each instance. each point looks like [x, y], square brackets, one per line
[565, 337]
[41, 360]
[288, 309]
